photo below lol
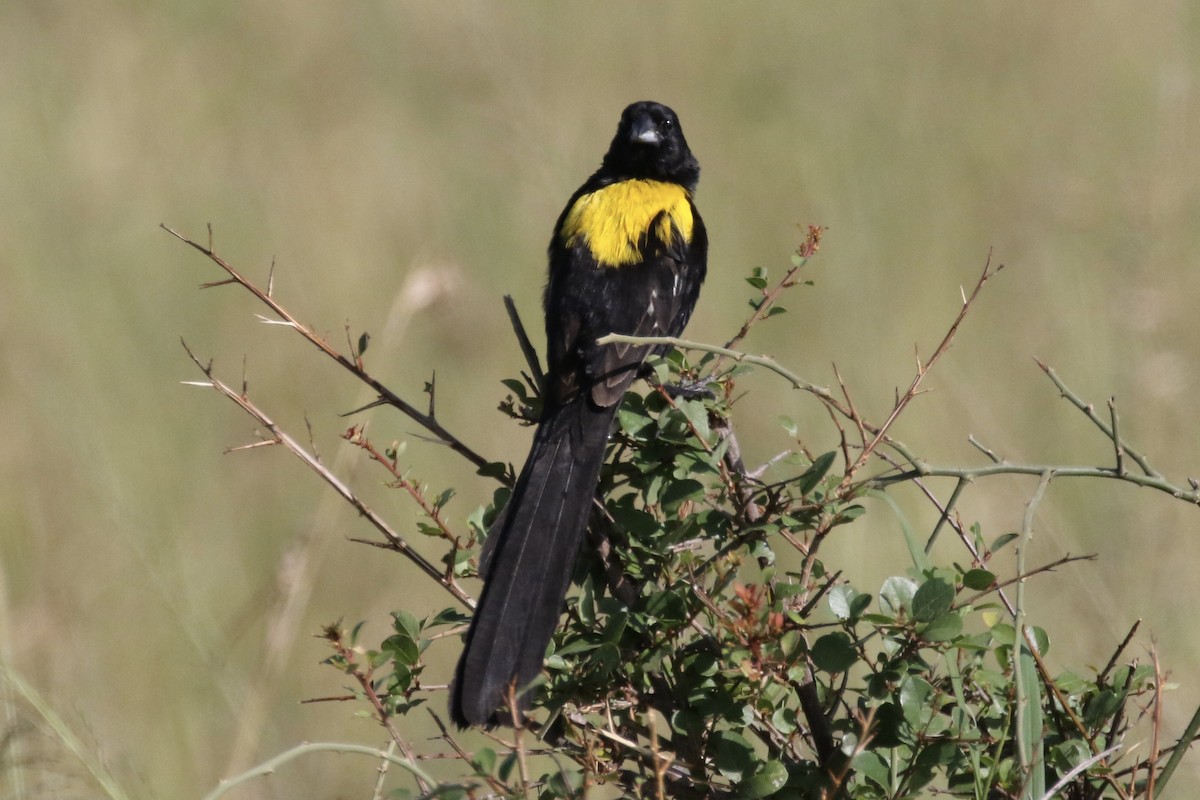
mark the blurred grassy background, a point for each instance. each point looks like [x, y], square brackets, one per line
[404, 165]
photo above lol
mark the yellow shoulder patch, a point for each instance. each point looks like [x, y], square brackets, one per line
[613, 220]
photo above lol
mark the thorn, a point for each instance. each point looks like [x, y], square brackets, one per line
[252, 445]
[269, 321]
[207, 384]
[211, 284]
[1195, 484]
[377, 402]
[962, 293]
[210, 238]
[271, 278]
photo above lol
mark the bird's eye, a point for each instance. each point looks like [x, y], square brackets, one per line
[668, 122]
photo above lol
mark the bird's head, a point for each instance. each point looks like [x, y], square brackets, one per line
[649, 144]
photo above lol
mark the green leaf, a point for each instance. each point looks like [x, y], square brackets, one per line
[1100, 707]
[443, 498]
[1070, 683]
[769, 779]
[847, 603]
[757, 278]
[637, 523]
[402, 649]
[1002, 540]
[1005, 634]
[363, 341]
[978, 579]
[1067, 755]
[850, 513]
[1041, 639]
[914, 695]
[943, 629]
[447, 616]
[784, 720]
[507, 765]
[427, 529]
[586, 604]
[933, 599]
[896, 595]
[734, 755]
[834, 652]
[493, 469]
[840, 598]
[1030, 722]
[874, 768]
[789, 425]
[574, 647]
[515, 386]
[697, 414]
[406, 623]
[813, 475]
[485, 760]
[615, 629]
[677, 492]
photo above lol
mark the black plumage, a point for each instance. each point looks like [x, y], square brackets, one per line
[628, 255]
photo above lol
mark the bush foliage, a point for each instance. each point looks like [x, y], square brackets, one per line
[710, 651]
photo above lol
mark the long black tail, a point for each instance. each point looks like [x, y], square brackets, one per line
[528, 560]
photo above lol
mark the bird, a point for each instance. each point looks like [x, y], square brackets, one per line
[628, 255]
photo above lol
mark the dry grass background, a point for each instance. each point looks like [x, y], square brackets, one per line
[404, 165]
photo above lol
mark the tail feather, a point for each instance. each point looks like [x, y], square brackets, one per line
[528, 560]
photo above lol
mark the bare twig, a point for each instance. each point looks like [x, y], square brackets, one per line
[1155, 727]
[1078, 769]
[272, 765]
[518, 738]
[949, 508]
[995, 459]
[812, 243]
[367, 684]
[356, 436]
[1020, 576]
[1090, 411]
[527, 348]
[449, 739]
[351, 364]
[394, 540]
[1118, 447]
[1029, 752]
[383, 771]
[735, 355]
[1102, 676]
[923, 370]
[1181, 747]
[1005, 468]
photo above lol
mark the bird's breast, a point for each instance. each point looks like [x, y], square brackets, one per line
[614, 221]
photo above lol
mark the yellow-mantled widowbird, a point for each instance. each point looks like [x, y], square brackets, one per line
[628, 255]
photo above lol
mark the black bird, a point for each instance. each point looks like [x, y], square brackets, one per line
[628, 255]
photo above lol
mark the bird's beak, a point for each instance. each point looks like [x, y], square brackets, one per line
[645, 131]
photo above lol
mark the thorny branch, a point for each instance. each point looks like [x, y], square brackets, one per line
[873, 437]
[366, 682]
[279, 436]
[352, 363]
[918, 468]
